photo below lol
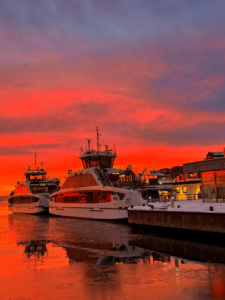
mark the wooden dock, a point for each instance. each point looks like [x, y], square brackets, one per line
[196, 221]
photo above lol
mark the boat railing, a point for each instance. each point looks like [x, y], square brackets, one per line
[77, 170]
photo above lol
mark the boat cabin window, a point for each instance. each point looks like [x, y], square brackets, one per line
[105, 162]
[101, 161]
[30, 177]
[92, 162]
[22, 200]
[104, 197]
[79, 180]
[74, 197]
[83, 197]
[39, 189]
[121, 196]
[21, 189]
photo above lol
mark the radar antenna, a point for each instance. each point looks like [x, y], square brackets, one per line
[153, 165]
[35, 161]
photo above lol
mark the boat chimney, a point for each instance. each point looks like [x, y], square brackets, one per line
[41, 162]
[89, 144]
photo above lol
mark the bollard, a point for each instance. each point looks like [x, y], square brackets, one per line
[162, 198]
[131, 206]
[172, 202]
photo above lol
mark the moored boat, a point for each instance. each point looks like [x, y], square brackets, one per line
[31, 196]
[95, 192]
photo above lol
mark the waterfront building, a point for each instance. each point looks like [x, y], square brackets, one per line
[212, 173]
[211, 155]
[187, 189]
[171, 174]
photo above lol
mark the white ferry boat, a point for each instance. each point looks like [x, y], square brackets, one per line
[31, 196]
[95, 192]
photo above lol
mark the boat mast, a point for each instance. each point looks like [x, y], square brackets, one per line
[89, 144]
[98, 135]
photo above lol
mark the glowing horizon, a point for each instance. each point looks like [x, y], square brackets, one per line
[149, 75]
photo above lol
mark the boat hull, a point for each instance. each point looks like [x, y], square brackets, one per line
[38, 207]
[92, 212]
[27, 209]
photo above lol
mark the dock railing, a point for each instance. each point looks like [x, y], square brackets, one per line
[182, 197]
[188, 197]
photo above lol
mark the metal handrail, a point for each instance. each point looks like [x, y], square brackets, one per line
[188, 197]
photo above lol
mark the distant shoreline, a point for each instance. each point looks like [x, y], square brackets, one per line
[4, 198]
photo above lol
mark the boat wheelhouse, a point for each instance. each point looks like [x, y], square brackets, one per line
[31, 196]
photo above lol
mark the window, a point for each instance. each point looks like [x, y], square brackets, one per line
[177, 189]
[79, 180]
[104, 197]
[184, 189]
[86, 198]
[220, 185]
[84, 163]
[94, 162]
[58, 198]
[23, 200]
[75, 197]
[13, 200]
[39, 189]
[112, 162]
[70, 197]
[208, 186]
[105, 162]
[121, 196]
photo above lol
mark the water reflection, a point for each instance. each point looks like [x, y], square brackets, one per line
[93, 252]
[46, 257]
[185, 249]
[38, 249]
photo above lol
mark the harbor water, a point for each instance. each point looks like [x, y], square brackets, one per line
[48, 257]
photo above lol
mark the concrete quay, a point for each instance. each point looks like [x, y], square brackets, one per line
[206, 217]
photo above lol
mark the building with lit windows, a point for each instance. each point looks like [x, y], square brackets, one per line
[212, 173]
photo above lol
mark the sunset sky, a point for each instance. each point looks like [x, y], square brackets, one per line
[150, 74]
